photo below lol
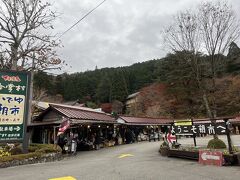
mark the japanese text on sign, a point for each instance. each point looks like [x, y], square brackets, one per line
[11, 109]
[14, 98]
[208, 128]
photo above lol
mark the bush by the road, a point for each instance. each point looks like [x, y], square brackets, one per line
[35, 151]
[164, 148]
[44, 148]
[216, 144]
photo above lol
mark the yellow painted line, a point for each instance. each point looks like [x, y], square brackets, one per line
[125, 155]
[64, 178]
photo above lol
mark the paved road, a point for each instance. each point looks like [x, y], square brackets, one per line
[139, 162]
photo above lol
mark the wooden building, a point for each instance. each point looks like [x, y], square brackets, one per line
[44, 127]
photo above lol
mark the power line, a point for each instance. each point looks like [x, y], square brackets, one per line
[81, 19]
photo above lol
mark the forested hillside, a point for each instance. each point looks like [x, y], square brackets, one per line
[100, 85]
[181, 96]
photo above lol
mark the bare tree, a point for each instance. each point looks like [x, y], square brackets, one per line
[219, 28]
[184, 35]
[25, 41]
[210, 29]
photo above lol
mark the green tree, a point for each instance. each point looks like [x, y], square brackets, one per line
[103, 91]
[119, 87]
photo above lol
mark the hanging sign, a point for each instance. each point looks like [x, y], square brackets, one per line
[186, 122]
[13, 104]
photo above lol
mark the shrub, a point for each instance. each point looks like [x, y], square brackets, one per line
[16, 150]
[164, 147]
[32, 148]
[47, 150]
[164, 144]
[20, 157]
[4, 153]
[216, 144]
[236, 149]
[35, 151]
[44, 148]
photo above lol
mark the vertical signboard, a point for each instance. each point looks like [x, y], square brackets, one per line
[14, 98]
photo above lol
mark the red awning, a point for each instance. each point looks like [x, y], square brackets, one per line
[146, 120]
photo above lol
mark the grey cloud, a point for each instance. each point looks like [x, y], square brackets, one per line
[119, 33]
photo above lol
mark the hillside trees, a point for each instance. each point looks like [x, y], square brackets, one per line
[119, 89]
[182, 97]
[228, 96]
[103, 91]
[107, 84]
[42, 85]
[233, 66]
[181, 85]
[152, 101]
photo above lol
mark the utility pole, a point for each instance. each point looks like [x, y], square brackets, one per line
[27, 133]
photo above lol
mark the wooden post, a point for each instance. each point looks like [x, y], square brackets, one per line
[172, 124]
[28, 114]
[194, 136]
[54, 134]
[228, 137]
[194, 140]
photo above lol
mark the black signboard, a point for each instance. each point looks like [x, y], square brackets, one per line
[206, 128]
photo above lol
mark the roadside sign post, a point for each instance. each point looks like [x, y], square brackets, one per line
[172, 124]
[185, 123]
[171, 138]
[210, 157]
[194, 136]
[14, 106]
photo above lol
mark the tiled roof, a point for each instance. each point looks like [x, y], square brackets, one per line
[81, 113]
[146, 120]
[235, 120]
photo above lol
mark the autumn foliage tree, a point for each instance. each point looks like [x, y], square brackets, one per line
[151, 101]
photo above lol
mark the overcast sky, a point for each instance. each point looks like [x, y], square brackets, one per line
[119, 33]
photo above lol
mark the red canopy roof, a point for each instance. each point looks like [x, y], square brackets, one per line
[77, 113]
[73, 112]
[146, 120]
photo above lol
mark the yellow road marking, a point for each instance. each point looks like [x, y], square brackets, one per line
[125, 155]
[64, 178]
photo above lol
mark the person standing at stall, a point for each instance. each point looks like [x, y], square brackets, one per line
[97, 141]
[73, 139]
